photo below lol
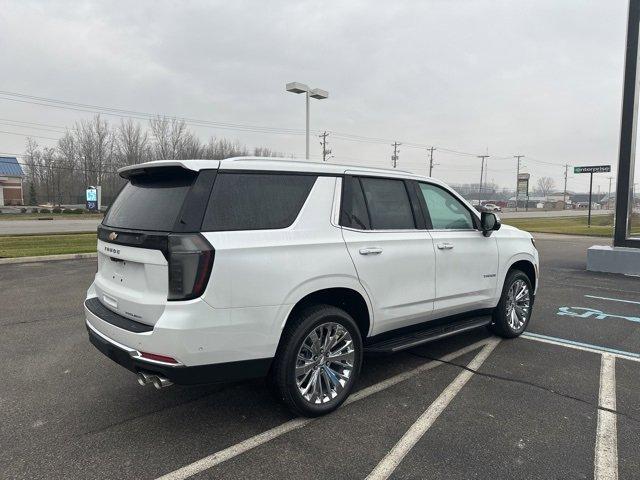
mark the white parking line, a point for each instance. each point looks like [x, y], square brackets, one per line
[390, 462]
[613, 299]
[264, 437]
[606, 455]
[585, 347]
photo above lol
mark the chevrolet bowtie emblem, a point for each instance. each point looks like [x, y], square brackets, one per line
[113, 236]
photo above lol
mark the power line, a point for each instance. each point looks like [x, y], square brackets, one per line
[125, 113]
[26, 135]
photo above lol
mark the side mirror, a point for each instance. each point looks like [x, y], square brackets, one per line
[489, 222]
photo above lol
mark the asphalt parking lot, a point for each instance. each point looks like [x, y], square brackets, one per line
[563, 402]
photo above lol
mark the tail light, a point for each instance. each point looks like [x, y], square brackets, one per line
[190, 264]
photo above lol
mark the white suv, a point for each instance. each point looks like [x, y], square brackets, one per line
[246, 267]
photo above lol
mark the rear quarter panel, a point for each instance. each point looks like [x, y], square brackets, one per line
[277, 268]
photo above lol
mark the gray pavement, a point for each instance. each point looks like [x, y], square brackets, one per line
[530, 411]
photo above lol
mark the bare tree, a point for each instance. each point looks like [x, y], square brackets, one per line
[546, 185]
[92, 150]
[132, 144]
[169, 137]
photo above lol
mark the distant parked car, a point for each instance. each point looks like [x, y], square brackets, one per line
[492, 207]
[488, 207]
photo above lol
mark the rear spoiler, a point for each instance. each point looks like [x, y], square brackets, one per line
[194, 165]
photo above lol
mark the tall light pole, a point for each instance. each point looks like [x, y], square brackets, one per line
[296, 87]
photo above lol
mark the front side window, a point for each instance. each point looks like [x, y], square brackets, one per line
[388, 203]
[445, 210]
[256, 201]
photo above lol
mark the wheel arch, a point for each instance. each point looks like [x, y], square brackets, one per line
[352, 301]
[528, 267]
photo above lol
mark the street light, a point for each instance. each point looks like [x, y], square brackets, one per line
[296, 87]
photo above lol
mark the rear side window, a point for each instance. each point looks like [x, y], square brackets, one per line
[255, 201]
[151, 200]
[388, 203]
[353, 212]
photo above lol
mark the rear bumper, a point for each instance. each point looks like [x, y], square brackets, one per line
[179, 374]
[208, 344]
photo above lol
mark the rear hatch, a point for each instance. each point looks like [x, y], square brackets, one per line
[149, 248]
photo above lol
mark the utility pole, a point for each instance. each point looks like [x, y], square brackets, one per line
[394, 158]
[517, 157]
[483, 158]
[564, 196]
[431, 149]
[325, 151]
[609, 196]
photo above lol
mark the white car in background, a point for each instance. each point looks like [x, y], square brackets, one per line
[224, 270]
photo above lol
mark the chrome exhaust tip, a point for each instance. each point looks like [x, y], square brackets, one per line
[161, 382]
[145, 378]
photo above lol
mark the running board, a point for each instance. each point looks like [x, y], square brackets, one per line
[426, 335]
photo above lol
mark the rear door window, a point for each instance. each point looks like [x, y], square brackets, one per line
[388, 203]
[256, 201]
[151, 200]
[353, 212]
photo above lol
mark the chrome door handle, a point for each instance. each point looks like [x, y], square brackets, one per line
[370, 251]
[445, 246]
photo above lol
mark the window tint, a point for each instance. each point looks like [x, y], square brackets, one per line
[388, 203]
[252, 201]
[151, 201]
[353, 209]
[446, 211]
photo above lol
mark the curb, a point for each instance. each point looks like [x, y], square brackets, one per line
[47, 258]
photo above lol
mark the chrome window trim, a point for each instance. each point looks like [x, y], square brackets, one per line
[406, 230]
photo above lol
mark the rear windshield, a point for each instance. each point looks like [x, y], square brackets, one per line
[254, 201]
[151, 200]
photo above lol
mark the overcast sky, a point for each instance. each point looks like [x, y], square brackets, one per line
[542, 78]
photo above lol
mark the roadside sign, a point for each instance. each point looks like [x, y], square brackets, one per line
[523, 186]
[592, 169]
[93, 198]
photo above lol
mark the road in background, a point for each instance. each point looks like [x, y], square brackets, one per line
[552, 213]
[63, 225]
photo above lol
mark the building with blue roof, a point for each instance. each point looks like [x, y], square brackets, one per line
[11, 177]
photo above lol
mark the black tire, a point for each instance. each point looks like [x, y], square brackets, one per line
[283, 370]
[501, 324]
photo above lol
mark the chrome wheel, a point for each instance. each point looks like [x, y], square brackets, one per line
[518, 304]
[324, 363]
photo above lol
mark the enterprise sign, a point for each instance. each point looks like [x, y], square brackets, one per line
[592, 169]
